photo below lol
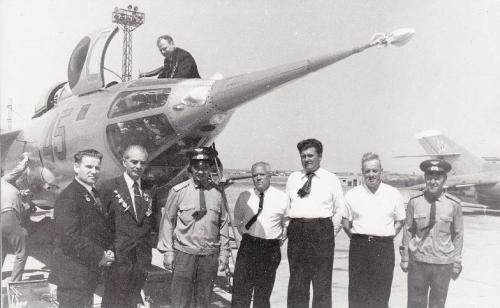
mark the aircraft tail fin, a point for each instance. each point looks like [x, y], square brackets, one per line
[436, 144]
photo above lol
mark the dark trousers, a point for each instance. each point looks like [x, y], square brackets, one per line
[255, 271]
[193, 278]
[75, 298]
[421, 277]
[122, 286]
[14, 235]
[310, 255]
[371, 269]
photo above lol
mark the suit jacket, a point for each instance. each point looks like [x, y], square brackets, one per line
[180, 65]
[82, 236]
[132, 236]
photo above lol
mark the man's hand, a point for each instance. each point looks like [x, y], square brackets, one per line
[142, 75]
[168, 262]
[282, 241]
[457, 269]
[25, 192]
[223, 263]
[404, 266]
[284, 237]
[107, 259]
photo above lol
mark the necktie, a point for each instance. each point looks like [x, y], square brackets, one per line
[254, 218]
[432, 216]
[137, 198]
[306, 189]
[97, 198]
[203, 204]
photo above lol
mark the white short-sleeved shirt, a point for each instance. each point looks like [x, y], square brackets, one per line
[373, 213]
[272, 219]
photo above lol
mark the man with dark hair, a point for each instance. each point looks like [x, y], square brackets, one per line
[373, 215]
[194, 233]
[178, 63]
[83, 241]
[260, 216]
[129, 202]
[433, 237]
[14, 233]
[314, 196]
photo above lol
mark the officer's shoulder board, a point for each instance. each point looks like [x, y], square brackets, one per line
[453, 198]
[180, 186]
[415, 197]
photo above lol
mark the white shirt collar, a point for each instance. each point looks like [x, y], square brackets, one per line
[317, 173]
[380, 188]
[130, 182]
[258, 192]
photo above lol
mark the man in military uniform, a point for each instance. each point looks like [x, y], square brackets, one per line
[194, 233]
[432, 239]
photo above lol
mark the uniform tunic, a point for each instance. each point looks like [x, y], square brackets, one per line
[180, 230]
[432, 253]
[195, 237]
[445, 241]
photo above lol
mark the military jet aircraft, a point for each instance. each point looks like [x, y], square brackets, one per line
[167, 116]
[472, 177]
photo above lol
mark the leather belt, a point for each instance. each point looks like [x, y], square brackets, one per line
[251, 238]
[372, 238]
[309, 219]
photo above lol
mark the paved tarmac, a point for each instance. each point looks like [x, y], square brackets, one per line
[478, 285]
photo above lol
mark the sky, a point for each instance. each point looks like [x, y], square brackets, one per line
[447, 78]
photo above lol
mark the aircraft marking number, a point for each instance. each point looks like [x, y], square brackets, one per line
[47, 141]
[56, 130]
[60, 131]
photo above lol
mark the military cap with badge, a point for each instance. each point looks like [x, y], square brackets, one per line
[201, 153]
[435, 165]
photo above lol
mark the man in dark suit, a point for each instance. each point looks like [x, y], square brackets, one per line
[129, 201]
[178, 63]
[83, 240]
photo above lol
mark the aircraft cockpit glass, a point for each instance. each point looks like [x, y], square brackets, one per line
[130, 102]
[150, 132]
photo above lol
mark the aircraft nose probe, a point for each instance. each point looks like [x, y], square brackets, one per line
[235, 91]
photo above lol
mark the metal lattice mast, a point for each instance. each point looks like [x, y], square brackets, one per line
[129, 20]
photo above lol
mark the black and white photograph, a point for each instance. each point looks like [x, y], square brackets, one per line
[217, 153]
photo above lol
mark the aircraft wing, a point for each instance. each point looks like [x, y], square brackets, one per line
[431, 155]
[6, 140]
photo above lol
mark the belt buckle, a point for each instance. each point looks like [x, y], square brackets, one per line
[371, 239]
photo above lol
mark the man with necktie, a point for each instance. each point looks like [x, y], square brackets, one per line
[194, 233]
[83, 241]
[260, 216]
[128, 199]
[433, 236]
[372, 216]
[315, 197]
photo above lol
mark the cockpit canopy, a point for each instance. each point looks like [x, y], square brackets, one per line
[51, 97]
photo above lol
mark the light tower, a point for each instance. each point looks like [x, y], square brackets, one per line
[129, 20]
[9, 115]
